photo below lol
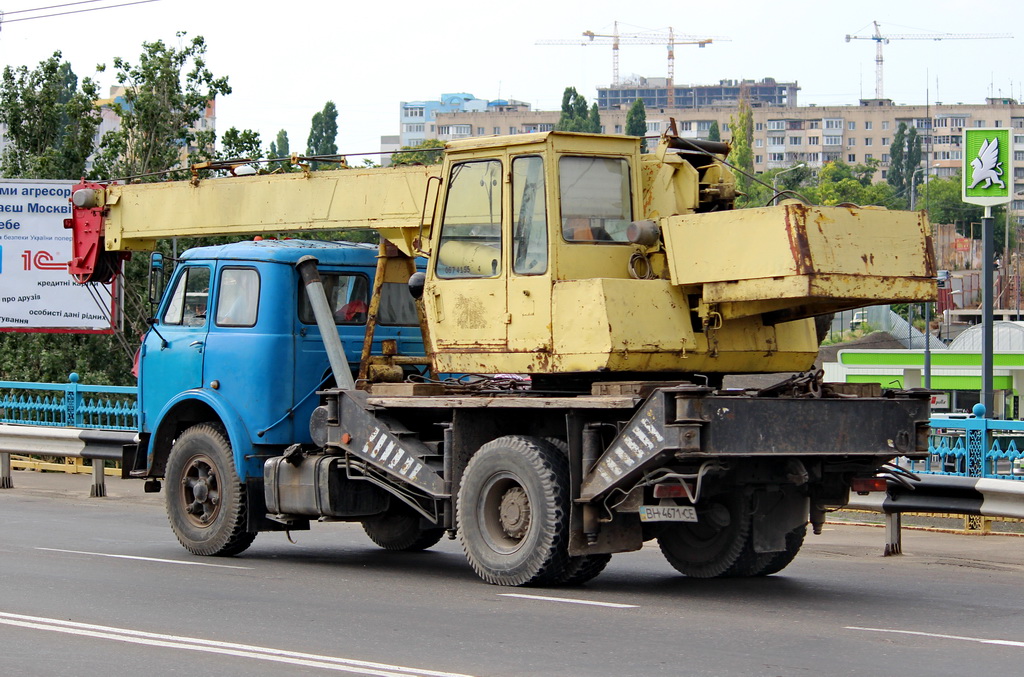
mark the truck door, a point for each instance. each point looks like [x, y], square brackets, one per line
[467, 297]
[529, 284]
[172, 360]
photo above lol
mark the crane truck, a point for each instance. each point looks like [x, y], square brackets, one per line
[613, 289]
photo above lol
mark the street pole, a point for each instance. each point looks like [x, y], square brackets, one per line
[988, 255]
[927, 345]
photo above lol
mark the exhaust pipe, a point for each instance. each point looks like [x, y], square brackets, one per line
[325, 321]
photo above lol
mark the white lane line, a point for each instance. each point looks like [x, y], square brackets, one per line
[145, 559]
[979, 640]
[569, 600]
[223, 648]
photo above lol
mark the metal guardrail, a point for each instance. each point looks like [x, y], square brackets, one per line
[98, 445]
[69, 405]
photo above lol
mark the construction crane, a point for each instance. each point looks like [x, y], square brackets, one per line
[883, 39]
[615, 38]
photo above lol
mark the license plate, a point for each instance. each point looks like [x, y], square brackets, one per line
[668, 513]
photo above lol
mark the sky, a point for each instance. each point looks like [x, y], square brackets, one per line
[285, 60]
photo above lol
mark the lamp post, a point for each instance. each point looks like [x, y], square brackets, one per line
[913, 189]
[775, 180]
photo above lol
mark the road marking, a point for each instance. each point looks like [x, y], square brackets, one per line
[569, 600]
[132, 636]
[979, 640]
[146, 559]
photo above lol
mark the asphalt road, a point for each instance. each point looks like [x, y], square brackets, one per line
[101, 587]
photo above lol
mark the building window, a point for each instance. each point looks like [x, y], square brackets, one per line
[758, 159]
[725, 126]
[776, 140]
[851, 142]
[979, 123]
[511, 130]
[885, 124]
[815, 124]
[796, 140]
[414, 127]
[479, 131]
[868, 124]
[813, 140]
[443, 130]
[703, 125]
[885, 158]
[885, 141]
[758, 126]
[758, 143]
[958, 122]
[833, 123]
[852, 157]
[833, 140]
[851, 125]
[814, 157]
[868, 141]
[1018, 156]
[776, 124]
[497, 130]
[868, 156]
[618, 129]
[413, 111]
[683, 126]
[776, 157]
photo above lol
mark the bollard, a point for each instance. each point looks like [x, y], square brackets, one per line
[99, 487]
[6, 481]
[893, 534]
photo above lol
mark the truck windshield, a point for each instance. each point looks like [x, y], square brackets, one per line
[595, 199]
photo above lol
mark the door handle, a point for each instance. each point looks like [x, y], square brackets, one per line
[196, 344]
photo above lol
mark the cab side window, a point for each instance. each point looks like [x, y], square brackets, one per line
[238, 297]
[470, 245]
[190, 298]
[529, 217]
[348, 296]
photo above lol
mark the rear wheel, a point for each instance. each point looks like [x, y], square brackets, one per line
[768, 563]
[399, 528]
[206, 501]
[710, 547]
[513, 511]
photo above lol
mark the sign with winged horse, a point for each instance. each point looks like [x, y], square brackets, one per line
[988, 171]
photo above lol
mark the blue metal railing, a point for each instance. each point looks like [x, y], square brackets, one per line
[69, 405]
[974, 447]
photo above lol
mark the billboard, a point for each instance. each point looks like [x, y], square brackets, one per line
[988, 166]
[36, 292]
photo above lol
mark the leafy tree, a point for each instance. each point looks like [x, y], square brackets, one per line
[50, 122]
[575, 115]
[427, 153]
[742, 155]
[165, 95]
[594, 120]
[714, 134]
[839, 183]
[904, 160]
[279, 148]
[323, 134]
[636, 123]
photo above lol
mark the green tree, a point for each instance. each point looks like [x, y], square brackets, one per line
[636, 123]
[714, 134]
[279, 148]
[165, 96]
[594, 120]
[323, 134]
[50, 122]
[430, 152]
[575, 115]
[742, 153]
[897, 150]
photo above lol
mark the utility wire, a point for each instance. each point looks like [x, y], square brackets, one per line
[4, 20]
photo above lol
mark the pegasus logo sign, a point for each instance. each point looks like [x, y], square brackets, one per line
[987, 167]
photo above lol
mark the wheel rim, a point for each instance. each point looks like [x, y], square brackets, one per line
[505, 513]
[200, 491]
[705, 541]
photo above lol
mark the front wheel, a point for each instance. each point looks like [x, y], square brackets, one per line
[206, 502]
[513, 511]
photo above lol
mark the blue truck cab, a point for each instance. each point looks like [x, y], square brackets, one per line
[234, 342]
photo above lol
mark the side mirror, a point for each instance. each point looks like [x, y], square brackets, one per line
[155, 281]
[416, 282]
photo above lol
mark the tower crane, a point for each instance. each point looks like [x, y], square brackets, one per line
[883, 39]
[615, 39]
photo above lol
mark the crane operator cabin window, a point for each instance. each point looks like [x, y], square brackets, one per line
[470, 243]
[595, 199]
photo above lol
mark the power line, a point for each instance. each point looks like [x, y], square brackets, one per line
[4, 20]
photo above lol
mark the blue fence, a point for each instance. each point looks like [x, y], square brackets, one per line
[974, 447]
[69, 405]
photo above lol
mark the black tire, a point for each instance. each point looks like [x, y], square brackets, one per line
[206, 502]
[703, 549]
[398, 529]
[774, 562]
[513, 511]
[580, 568]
